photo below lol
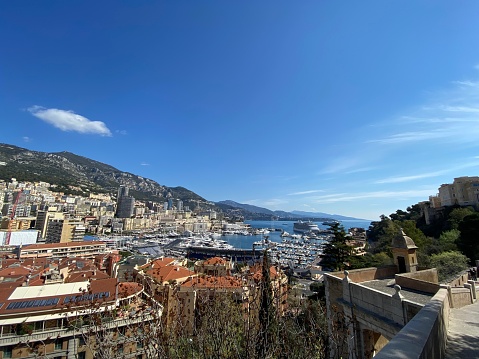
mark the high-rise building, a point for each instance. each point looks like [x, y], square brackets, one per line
[44, 216]
[123, 191]
[125, 204]
[65, 230]
[179, 205]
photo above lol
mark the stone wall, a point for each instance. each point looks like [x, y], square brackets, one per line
[425, 336]
[461, 297]
[337, 327]
[459, 281]
[355, 308]
[424, 281]
[366, 274]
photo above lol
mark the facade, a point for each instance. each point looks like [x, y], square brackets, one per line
[182, 292]
[125, 205]
[56, 320]
[43, 217]
[18, 238]
[65, 230]
[464, 191]
[88, 249]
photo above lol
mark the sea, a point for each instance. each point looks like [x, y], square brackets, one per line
[276, 227]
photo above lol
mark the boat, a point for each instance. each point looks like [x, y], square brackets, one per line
[330, 222]
[303, 227]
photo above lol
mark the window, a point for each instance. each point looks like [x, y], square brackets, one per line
[7, 351]
[38, 326]
[81, 342]
[58, 344]
[81, 355]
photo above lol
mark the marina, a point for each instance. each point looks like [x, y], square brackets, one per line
[287, 248]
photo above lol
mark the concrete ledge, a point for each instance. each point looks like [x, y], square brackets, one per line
[425, 336]
[461, 297]
[424, 281]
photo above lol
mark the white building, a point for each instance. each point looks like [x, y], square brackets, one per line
[17, 238]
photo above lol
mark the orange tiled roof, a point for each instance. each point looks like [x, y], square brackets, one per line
[160, 262]
[125, 289]
[257, 272]
[82, 276]
[215, 261]
[213, 282]
[164, 274]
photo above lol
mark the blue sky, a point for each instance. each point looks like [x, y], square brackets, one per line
[357, 108]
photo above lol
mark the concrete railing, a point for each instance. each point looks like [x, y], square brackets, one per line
[425, 336]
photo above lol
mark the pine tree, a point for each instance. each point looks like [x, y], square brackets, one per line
[266, 315]
[336, 251]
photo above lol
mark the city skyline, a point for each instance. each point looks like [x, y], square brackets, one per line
[356, 109]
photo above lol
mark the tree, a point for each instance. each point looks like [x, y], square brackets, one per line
[448, 264]
[448, 239]
[457, 215]
[336, 251]
[468, 241]
[267, 311]
[381, 234]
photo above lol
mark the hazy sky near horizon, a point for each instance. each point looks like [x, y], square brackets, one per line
[357, 108]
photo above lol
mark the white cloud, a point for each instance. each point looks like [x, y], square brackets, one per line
[121, 132]
[69, 121]
[404, 137]
[347, 197]
[26, 139]
[144, 164]
[399, 179]
[452, 115]
[410, 178]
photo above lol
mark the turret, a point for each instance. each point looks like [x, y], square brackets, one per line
[404, 253]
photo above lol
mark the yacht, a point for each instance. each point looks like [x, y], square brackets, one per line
[330, 222]
[303, 227]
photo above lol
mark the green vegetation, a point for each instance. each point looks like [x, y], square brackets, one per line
[448, 244]
[337, 252]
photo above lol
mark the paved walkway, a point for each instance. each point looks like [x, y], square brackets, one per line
[463, 333]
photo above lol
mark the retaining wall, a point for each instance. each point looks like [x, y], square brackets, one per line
[425, 336]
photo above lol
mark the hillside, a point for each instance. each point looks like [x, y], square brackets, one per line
[80, 175]
[251, 212]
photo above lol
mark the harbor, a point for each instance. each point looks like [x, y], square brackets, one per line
[287, 247]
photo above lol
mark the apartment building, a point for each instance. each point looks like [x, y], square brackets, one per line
[464, 191]
[86, 249]
[65, 230]
[59, 320]
[44, 216]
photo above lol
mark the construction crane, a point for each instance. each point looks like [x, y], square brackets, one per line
[12, 217]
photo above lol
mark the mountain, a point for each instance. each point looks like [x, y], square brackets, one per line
[75, 174]
[337, 217]
[248, 211]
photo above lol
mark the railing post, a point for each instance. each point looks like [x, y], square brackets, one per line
[398, 308]
[473, 288]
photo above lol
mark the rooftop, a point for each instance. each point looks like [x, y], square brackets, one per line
[386, 285]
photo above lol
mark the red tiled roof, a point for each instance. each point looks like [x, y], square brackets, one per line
[61, 245]
[160, 262]
[81, 276]
[165, 274]
[215, 261]
[213, 282]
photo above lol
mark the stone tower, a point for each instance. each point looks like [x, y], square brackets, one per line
[404, 253]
